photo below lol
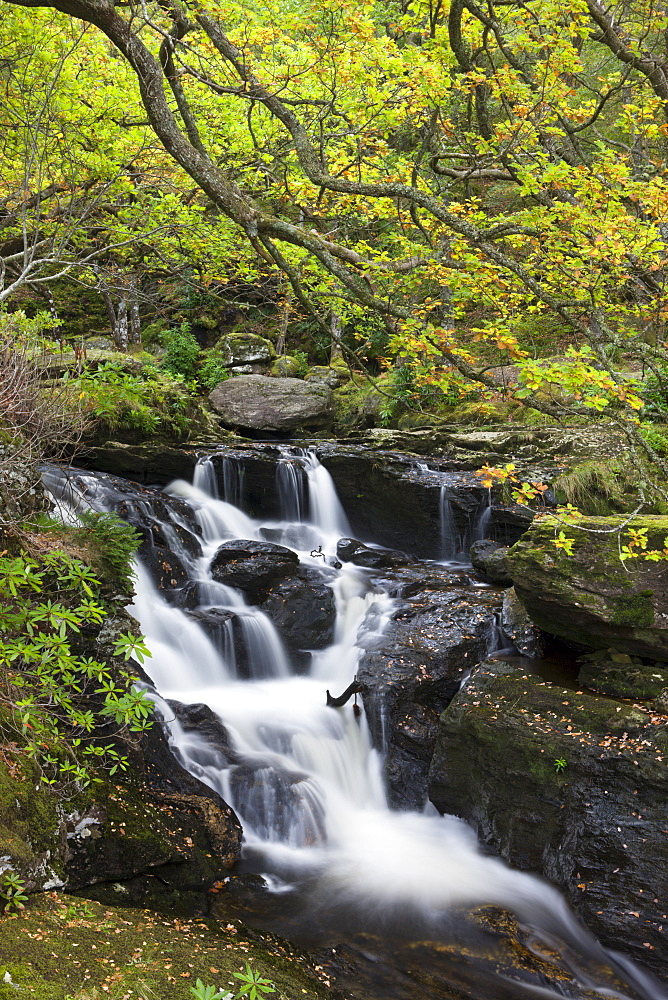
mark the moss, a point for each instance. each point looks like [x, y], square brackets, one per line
[30, 827]
[356, 406]
[635, 610]
[131, 953]
[598, 487]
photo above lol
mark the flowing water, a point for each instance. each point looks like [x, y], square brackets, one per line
[306, 782]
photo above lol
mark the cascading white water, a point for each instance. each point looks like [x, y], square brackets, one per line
[305, 780]
[204, 478]
[326, 511]
[290, 484]
[483, 522]
[451, 543]
[234, 475]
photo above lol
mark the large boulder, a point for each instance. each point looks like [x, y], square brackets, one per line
[568, 785]
[410, 674]
[304, 610]
[591, 597]
[253, 567]
[275, 405]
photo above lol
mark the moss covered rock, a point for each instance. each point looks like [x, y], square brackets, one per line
[569, 785]
[286, 367]
[237, 349]
[623, 676]
[32, 832]
[591, 597]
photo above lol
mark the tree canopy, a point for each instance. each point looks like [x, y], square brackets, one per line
[442, 172]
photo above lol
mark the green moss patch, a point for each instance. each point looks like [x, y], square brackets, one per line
[62, 946]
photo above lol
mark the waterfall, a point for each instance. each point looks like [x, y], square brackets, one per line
[304, 778]
[451, 543]
[290, 484]
[483, 527]
[326, 511]
[205, 479]
[234, 475]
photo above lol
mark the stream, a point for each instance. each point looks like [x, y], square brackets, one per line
[401, 904]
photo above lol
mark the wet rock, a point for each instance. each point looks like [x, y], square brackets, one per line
[591, 597]
[488, 557]
[201, 719]
[279, 405]
[253, 567]
[569, 785]
[170, 534]
[350, 550]
[224, 629]
[304, 610]
[413, 672]
[623, 676]
[153, 462]
[515, 622]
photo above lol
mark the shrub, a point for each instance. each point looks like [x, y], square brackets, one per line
[211, 373]
[112, 543]
[56, 697]
[301, 357]
[181, 351]
[145, 403]
[40, 418]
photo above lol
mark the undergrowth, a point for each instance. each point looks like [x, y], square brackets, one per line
[65, 708]
[602, 487]
[153, 401]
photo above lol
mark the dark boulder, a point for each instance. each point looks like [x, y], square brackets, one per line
[350, 550]
[568, 785]
[253, 567]
[201, 719]
[414, 669]
[488, 557]
[303, 609]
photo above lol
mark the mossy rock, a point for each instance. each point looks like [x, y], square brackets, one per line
[56, 365]
[237, 349]
[482, 412]
[333, 377]
[568, 785]
[286, 367]
[591, 597]
[32, 831]
[623, 676]
[118, 952]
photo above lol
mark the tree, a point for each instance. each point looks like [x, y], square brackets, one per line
[450, 169]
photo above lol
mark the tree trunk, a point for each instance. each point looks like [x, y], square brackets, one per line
[335, 351]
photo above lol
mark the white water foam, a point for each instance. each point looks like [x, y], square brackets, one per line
[305, 780]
